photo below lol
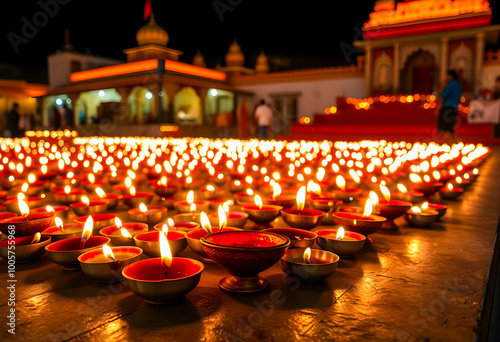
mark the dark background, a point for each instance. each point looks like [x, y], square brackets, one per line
[293, 34]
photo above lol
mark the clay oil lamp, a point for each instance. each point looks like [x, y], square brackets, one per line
[300, 217]
[234, 218]
[192, 184]
[261, 214]
[364, 223]
[12, 203]
[58, 210]
[344, 244]
[165, 189]
[67, 179]
[105, 265]
[27, 224]
[63, 231]
[46, 174]
[324, 183]
[426, 186]
[66, 252]
[214, 203]
[299, 238]
[10, 182]
[150, 241]
[149, 215]
[193, 236]
[100, 220]
[69, 195]
[122, 234]
[182, 226]
[236, 186]
[327, 205]
[421, 216]
[163, 280]
[285, 201]
[87, 207]
[440, 208]
[27, 248]
[92, 183]
[113, 199]
[30, 191]
[344, 194]
[309, 265]
[461, 183]
[391, 209]
[210, 192]
[449, 192]
[404, 195]
[134, 198]
[244, 198]
[244, 254]
[186, 206]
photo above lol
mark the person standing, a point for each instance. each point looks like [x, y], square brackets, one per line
[264, 116]
[447, 108]
[13, 120]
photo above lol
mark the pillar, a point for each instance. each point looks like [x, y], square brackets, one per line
[444, 61]
[74, 102]
[478, 61]
[202, 93]
[368, 70]
[395, 72]
[122, 117]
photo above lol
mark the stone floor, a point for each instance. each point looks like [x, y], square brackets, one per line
[409, 285]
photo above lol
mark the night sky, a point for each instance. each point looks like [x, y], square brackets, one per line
[293, 34]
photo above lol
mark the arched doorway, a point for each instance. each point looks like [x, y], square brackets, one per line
[141, 105]
[187, 107]
[419, 73]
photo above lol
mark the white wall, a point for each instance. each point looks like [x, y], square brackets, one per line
[315, 95]
[489, 75]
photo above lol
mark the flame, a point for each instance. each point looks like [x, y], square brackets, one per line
[132, 190]
[49, 209]
[436, 175]
[320, 174]
[415, 178]
[313, 187]
[143, 208]
[163, 181]
[307, 255]
[125, 233]
[340, 234]
[128, 182]
[416, 210]
[60, 164]
[67, 189]
[85, 200]
[165, 228]
[205, 222]
[402, 188]
[225, 206]
[11, 178]
[374, 198]
[301, 198]
[21, 196]
[108, 253]
[340, 182]
[118, 223]
[44, 169]
[427, 178]
[100, 192]
[385, 192]
[24, 188]
[87, 230]
[59, 224]
[249, 192]
[210, 188]
[425, 205]
[368, 208]
[450, 186]
[91, 178]
[222, 218]
[459, 180]
[31, 178]
[258, 201]
[170, 223]
[23, 207]
[276, 190]
[190, 197]
[249, 179]
[192, 208]
[36, 237]
[166, 254]
[354, 176]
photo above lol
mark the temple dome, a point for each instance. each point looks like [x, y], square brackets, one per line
[234, 56]
[262, 64]
[152, 33]
[198, 59]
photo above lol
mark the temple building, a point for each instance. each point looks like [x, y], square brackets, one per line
[405, 48]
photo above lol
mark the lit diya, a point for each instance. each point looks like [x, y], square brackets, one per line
[165, 189]
[210, 192]
[69, 195]
[300, 217]
[113, 199]
[421, 216]
[262, 214]
[309, 265]
[345, 244]
[30, 191]
[186, 206]
[327, 205]
[58, 210]
[92, 183]
[12, 202]
[244, 198]
[344, 194]
[299, 238]
[440, 208]
[149, 215]
[122, 234]
[450, 192]
[244, 254]
[105, 264]
[150, 241]
[163, 280]
[178, 225]
[88, 207]
[27, 248]
[66, 252]
[285, 201]
[391, 209]
[134, 198]
[63, 231]
[408, 196]
[100, 220]
[214, 203]
[364, 223]
[426, 186]
[27, 224]
[234, 218]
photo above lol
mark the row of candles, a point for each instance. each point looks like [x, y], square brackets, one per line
[316, 172]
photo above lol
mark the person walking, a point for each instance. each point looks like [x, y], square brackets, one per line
[264, 116]
[447, 107]
[13, 120]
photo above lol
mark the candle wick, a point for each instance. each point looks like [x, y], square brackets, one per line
[307, 260]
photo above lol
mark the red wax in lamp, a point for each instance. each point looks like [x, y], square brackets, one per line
[178, 224]
[138, 195]
[75, 243]
[132, 227]
[91, 204]
[240, 239]
[197, 203]
[57, 209]
[153, 269]
[22, 241]
[4, 216]
[393, 202]
[71, 192]
[304, 212]
[68, 228]
[254, 207]
[155, 236]
[201, 232]
[358, 217]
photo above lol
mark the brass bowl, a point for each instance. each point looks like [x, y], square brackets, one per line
[113, 200]
[214, 203]
[440, 208]
[66, 199]
[13, 204]
[27, 227]
[305, 219]
[243, 199]
[184, 207]
[117, 239]
[66, 252]
[179, 225]
[188, 217]
[285, 201]
[413, 197]
[345, 248]
[299, 238]
[70, 230]
[60, 211]
[347, 195]
[391, 210]
[153, 216]
[193, 239]
[150, 242]
[100, 220]
[450, 195]
[325, 204]
[235, 219]
[146, 278]
[324, 265]
[103, 270]
[140, 197]
[32, 191]
[166, 191]
[24, 250]
[424, 219]
[95, 207]
[356, 223]
[264, 216]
